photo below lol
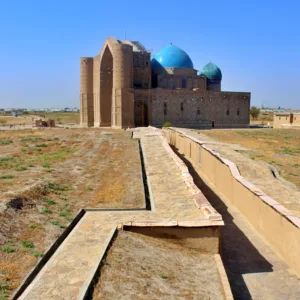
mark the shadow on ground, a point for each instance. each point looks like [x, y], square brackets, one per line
[238, 254]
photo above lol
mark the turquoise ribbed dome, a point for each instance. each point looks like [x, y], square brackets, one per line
[171, 57]
[211, 71]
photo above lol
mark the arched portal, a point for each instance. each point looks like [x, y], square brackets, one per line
[106, 86]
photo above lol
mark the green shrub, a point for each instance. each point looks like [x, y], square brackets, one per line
[167, 124]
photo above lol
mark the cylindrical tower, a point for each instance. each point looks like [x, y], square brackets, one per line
[86, 92]
[122, 96]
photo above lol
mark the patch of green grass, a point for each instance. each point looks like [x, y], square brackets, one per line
[37, 253]
[49, 170]
[49, 140]
[90, 188]
[6, 142]
[7, 249]
[41, 145]
[56, 138]
[163, 276]
[35, 226]
[296, 165]
[7, 176]
[24, 149]
[30, 165]
[46, 210]
[20, 168]
[27, 244]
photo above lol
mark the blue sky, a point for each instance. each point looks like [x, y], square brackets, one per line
[256, 44]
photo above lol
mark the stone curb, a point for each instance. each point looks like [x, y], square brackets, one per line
[250, 186]
[224, 279]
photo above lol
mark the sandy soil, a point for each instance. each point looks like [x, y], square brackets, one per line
[46, 176]
[142, 267]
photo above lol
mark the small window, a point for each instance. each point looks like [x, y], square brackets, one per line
[198, 111]
[183, 82]
[165, 108]
[238, 112]
[181, 106]
[227, 112]
[146, 64]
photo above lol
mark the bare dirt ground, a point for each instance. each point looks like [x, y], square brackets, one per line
[46, 176]
[142, 267]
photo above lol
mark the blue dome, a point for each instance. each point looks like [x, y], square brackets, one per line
[171, 57]
[211, 71]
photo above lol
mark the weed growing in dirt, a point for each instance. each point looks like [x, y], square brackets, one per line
[27, 244]
[49, 201]
[7, 177]
[163, 276]
[56, 138]
[6, 142]
[46, 210]
[37, 253]
[56, 223]
[56, 187]
[35, 226]
[33, 140]
[3, 289]
[41, 145]
[90, 188]
[46, 165]
[5, 161]
[20, 168]
[7, 249]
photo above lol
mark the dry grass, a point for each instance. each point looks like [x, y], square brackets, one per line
[278, 147]
[64, 117]
[46, 176]
[141, 267]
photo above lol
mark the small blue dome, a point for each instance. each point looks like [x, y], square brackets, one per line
[211, 71]
[171, 57]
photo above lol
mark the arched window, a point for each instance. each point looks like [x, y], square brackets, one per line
[183, 82]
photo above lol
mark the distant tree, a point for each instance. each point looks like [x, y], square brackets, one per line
[254, 112]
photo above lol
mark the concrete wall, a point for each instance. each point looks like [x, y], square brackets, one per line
[275, 223]
[204, 239]
[197, 109]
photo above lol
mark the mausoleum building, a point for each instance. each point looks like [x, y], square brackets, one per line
[123, 87]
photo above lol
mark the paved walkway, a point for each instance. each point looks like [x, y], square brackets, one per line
[256, 173]
[175, 201]
[254, 270]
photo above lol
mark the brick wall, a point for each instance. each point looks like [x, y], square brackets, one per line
[197, 109]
